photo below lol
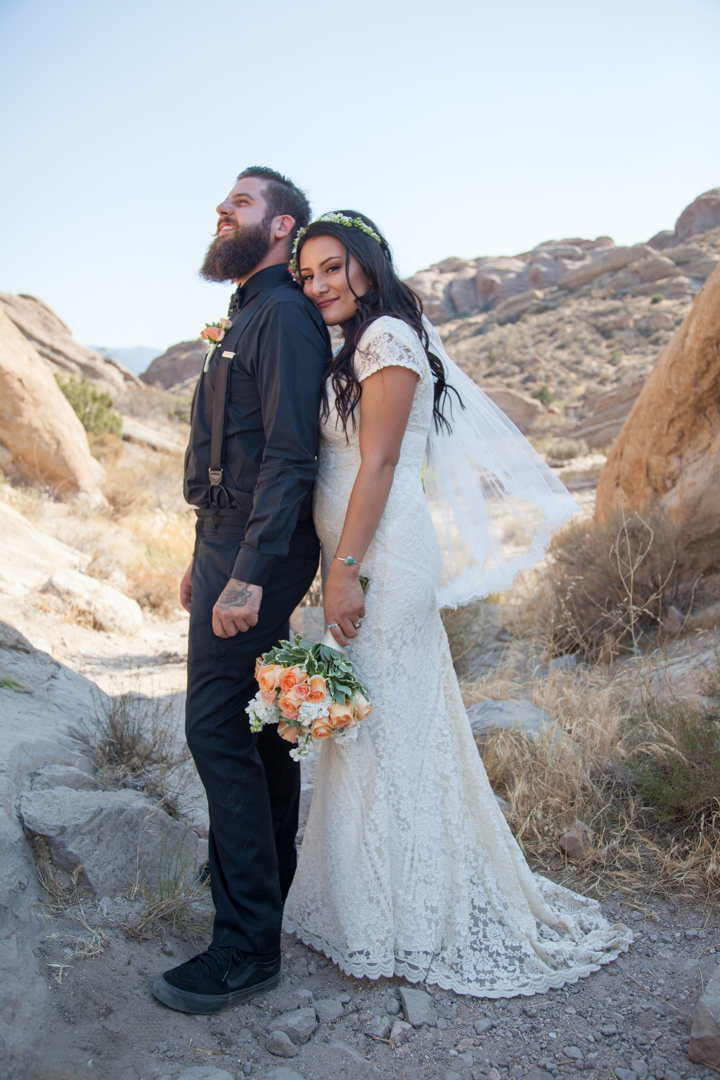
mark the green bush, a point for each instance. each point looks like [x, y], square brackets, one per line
[93, 408]
[544, 395]
[676, 765]
[657, 299]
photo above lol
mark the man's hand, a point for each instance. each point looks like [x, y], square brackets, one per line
[186, 587]
[236, 609]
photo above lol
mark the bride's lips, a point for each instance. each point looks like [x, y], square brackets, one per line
[326, 303]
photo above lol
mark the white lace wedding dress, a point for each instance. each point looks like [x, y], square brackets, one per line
[407, 866]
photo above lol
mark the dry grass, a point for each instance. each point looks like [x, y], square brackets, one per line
[601, 763]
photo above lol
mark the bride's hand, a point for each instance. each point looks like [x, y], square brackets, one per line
[344, 602]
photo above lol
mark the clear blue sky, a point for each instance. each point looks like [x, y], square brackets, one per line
[464, 127]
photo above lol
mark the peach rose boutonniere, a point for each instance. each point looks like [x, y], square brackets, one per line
[311, 692]
[214, 333]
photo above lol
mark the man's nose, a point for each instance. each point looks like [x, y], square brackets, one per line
[224, 207]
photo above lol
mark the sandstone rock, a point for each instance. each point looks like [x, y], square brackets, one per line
[703, 267]
[487, 717]
[418, 1007]
[281, 1045]
[400, 1032]
[181, 362]
[612, 259]
[705, 1034]
[577, 841]
[655, 268]
[45, 441]
[298, 1025]
[524, 411]
[700, 216]
[134, 431]
[663, 240]
[606, 414]
[668, 452]
[328, 1010]
[117, 838]
[515, 306]
[108, 608]
[684, 253]
[28, 555]
[54, 342]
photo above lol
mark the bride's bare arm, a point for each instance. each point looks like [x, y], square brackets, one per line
[385, 404]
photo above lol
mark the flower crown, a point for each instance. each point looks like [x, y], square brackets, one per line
[337, 219]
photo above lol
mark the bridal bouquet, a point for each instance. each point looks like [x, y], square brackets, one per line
[310, 692]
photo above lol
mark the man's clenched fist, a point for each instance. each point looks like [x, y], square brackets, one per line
[236, 609]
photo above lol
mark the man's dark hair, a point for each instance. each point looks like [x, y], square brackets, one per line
[282, 196]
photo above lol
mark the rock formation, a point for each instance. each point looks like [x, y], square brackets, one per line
[668, 452]
[54, 342]
[180, 364]
[41, 438]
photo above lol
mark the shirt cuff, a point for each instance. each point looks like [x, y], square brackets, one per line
[252, 567]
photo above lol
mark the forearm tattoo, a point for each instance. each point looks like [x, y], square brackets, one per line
[235, 594]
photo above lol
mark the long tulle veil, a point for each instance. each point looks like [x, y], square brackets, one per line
[494, 502]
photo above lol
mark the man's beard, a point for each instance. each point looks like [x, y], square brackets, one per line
[234, 257]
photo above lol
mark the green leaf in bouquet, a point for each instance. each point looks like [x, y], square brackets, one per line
[364, 583]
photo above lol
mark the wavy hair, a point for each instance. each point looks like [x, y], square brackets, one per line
[387, 295]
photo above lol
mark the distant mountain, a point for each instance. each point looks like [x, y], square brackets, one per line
[136, 358]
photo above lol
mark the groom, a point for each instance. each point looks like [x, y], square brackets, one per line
[249, 473]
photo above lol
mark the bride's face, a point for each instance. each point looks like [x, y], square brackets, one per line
[322, 270]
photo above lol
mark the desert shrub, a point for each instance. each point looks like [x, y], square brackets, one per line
[133, 743]
[544, 395]
[657, 299]
[676, 765]
[609, 584]
[156, 593]
[181, 411]
[557, 449]
[93, 408]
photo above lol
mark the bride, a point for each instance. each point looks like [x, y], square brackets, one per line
[408, 867]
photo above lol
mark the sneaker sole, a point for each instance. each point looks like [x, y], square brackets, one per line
[187, 1002]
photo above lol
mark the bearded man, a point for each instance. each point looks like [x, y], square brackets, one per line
[249, 472]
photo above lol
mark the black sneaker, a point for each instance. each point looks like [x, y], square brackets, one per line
[217, 979]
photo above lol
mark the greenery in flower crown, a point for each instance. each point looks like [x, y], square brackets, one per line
[318, 660]
[337, 219]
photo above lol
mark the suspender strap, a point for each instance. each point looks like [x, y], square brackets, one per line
[219, 496]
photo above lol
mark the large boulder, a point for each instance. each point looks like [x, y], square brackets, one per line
[41, 438]
[28, 556]
[54, 342]
[106, 607]
[702, 215]
[668, 452]
[521, 409]
[605, 414]
[181, 362]
[111, 840]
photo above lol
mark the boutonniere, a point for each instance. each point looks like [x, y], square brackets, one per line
[214, 333]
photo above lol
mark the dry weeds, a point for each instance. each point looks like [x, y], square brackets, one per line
[585, 767]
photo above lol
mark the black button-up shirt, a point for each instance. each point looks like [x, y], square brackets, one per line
[272, 420]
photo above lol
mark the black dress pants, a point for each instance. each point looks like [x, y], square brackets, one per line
[252, 784]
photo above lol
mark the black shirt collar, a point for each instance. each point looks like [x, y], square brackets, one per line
[263, 279]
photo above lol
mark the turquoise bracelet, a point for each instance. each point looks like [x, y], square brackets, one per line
[348, 562]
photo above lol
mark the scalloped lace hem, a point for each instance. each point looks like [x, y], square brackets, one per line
[399, 968]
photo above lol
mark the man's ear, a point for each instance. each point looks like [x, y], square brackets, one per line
[283, 226]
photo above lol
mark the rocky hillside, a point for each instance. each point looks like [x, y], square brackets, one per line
[573, 319]
[53, 340]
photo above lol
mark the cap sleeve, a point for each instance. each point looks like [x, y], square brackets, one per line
[389, 342]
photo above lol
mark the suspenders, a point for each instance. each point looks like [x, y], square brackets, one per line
[219, 410]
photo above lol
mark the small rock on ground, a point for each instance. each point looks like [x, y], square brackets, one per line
[298, 1025]
[328, 1009]
[418, 1007]
[281, 1045]
[205, 1072]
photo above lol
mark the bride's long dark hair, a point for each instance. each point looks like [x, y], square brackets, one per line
[387, 295]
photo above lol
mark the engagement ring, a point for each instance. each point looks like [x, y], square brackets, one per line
[332, 625]
[357, 625]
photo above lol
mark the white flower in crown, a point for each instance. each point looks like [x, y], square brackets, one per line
[336, 218]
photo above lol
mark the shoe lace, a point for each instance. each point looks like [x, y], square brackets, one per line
[216, 960]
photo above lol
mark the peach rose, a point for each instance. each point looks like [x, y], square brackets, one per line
[321, 728]
[318, 689]
[268, 676]
[289, 677]
[361, 706]
[212, 333]
[288, 707]
[341, 715]
[301, 691]
[289, 734]
[268, 696]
